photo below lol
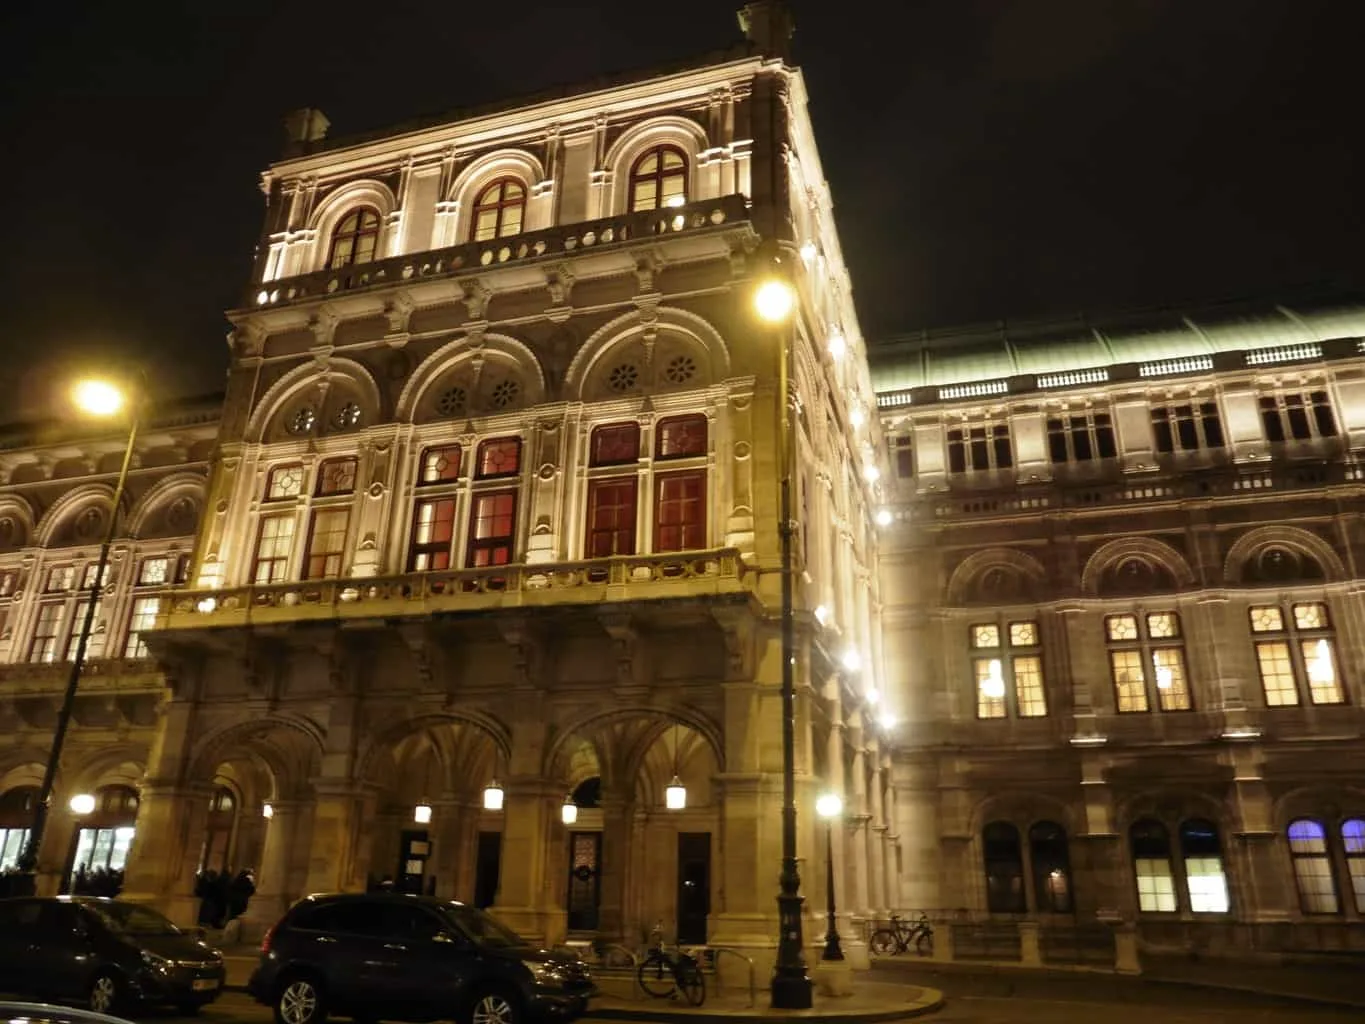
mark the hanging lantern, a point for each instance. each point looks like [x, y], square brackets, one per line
[422, 813]
[267, 810]
[492, 796]
[569, 812]
[675, 796]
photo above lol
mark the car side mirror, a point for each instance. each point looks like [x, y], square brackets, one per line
[449, 939]
[199, 934]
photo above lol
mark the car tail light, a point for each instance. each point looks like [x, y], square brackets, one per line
[269, 937]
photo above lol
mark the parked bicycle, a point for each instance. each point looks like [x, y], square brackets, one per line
[902, 935]
[665, 974]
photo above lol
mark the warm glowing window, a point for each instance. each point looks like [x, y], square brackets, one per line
[1188, 427]
[611, 517]
[60, 578]
[1202, 856]
[1312, 867]
[326, 543]
[440, 465]
[94, 646]
[1353, 845]
[499, 210]
[284, 482]
[336, 476]
[153, 571]
[658, 179]
[1147, 661]
[499, 457]
[274, 542]
[1151, 848]
[1297, 417]
[45, 631]
[1081, 438]
[680, 511]
[145, 610]
[492, 527]
[1007, 670]
[433, 530]
[979, 447]
[355, 239]
[1296, 653]
[680, 437]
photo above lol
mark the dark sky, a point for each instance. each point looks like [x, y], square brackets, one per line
[988, 158]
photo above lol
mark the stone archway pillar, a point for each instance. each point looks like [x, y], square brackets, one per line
[57, 843]
[273, 893]
[618, 823]
[171, 823]
[528, 900]
[337, 808]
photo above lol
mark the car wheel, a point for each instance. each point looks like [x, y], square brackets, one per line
[106, 993]
[495, 1007]
[300, 1001]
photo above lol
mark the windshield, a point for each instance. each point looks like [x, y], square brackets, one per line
[481, 927]
[132, 919]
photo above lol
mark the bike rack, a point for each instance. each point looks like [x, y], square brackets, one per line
[753, 989]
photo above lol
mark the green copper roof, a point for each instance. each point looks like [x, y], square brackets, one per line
[1013, 347]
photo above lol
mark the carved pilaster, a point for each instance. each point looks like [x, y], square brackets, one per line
[526, 640]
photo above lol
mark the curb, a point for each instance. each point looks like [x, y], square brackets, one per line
[753, 1016]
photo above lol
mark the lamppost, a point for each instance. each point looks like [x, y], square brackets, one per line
[791, 988]
[829, 806]
[95, 398]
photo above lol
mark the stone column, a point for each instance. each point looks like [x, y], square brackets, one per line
[877, 837]
[859, 820]
[526, 900]
[449, 824]
[850, 937]
[171, 823]
[273, 890]
[57, 840]
[618, 817]
[331, 851]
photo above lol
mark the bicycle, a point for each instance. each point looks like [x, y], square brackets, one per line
[902, 935]
[663, 975]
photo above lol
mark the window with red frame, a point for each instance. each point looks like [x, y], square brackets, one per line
[611, 517]
[499, 456]
[433, 529]
[492, 524]
[680, 437]
[336, 476]
[658, 179]
[440, 465]
[680, 511]
[614, 444]
[499, 210]
[355, 239]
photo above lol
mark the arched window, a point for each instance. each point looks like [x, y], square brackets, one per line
[1051, 868]
[1004, 868]
[355, 239]
[1205, 880]
[499, 210]
[658, 179]
[16, 814]
[1312, 867]
[1151, 846]
[217, 852]
[1353, 843]
[1276, 564]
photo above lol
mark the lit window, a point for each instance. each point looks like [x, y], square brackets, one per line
[46, 629]
[60, 578]
[1081, 438]
[1312, 867]
[274, 543]
[1147, 662]
[153, 571]
[979, 447]
[336, 476]
[433, 529]
[499, 457]
[1008, 677]
[1189, 427]
[88, 576]
[145, 610]
[326, 543]
[680, 437]
[355, 239]
[284, 482]
[611, 517]
[440, 465]
[94, 645]
[1296, 652]
[1205, 880]
[680, 511]
[615, 444]
[658, 179]
[1151, 848]
[492, 526]
[499, 210]
[1353, 844]
[1297, 417]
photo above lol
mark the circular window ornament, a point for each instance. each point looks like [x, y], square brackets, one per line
[452, 402]
[347, 416]
[505, 392]
[301, 420]
[623, 378]
[680, 370]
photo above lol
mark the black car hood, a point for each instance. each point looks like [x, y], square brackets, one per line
[173, 947]
[530, 955]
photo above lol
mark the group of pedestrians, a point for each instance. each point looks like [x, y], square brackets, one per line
[223, 895]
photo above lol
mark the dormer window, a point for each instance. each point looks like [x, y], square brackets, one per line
[499, 210]
[355, 240]
[658, 179]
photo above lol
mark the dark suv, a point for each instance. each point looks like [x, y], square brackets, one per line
[390, 956]
[106, 953]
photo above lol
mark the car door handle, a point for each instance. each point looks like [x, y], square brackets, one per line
[324, 938]
[395, 945]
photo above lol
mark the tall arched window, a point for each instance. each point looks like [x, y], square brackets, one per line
[1312, 867]
[1004, 868]
[499, 210]
[1205, 880]
[355, 239]
[1151, 846]
[1353, 843]
[658, 179]
[1051, 868]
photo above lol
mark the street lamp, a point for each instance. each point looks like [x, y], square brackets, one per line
[101, 398]
[829, 806]
[774, 301]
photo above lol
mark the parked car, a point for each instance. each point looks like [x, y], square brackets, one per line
[106, 953]
[47, 1013]
[392, 956]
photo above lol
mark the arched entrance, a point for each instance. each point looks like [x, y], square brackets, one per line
[16, 815]
[220, 831]
[100, 846]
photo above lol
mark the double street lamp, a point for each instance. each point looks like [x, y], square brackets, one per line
[103, 399]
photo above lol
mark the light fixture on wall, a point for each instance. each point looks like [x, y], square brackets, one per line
[492, 793]
[675, 794]
[993, 686]
[267, 811]
[568, 813]
[82, 803]
[421, 814]
[888, 720]
[852, 660]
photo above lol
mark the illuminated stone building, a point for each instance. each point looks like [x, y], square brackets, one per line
[1122, 591]
[495, 502]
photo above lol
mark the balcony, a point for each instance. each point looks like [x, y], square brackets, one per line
[555, 243]
[627, 578]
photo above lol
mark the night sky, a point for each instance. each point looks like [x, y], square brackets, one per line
[988, 158]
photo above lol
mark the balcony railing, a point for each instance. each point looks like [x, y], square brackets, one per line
[550, 243]
[686, 574]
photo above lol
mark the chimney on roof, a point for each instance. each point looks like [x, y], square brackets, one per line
[303, 128]
[768, 26]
